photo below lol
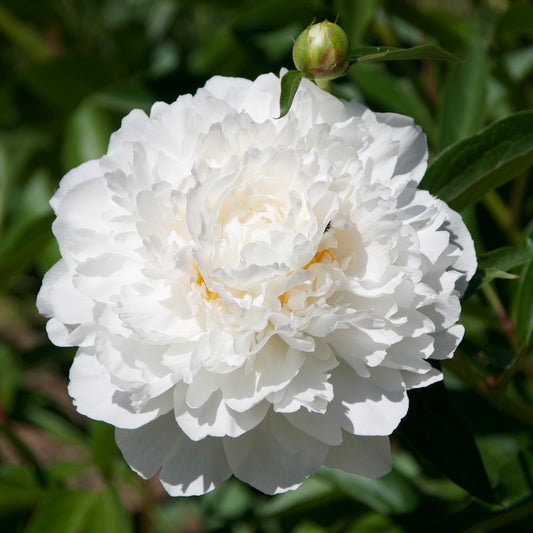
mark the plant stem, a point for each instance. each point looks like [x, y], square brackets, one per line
[325, 85]
[505, 321]
[462, 369]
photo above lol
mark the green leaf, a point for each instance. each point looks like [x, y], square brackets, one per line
[356, 16]
[375, 523]
[86, 136]
[465, 171]
[494, 265]
[18, 489]
[494, 273]
[103, 447]
[391, 494]
[523, 308]
[19, 250]
[123, 96]
[506, 257]
[9, 378]
[313, 492]
[69, 511]
[16, 151]
[514, 476]
[61, 510]
[66, 81]
[229, 501]
[462, 102]
[436, 430]
[108, 514]
[446, 27]
[55, 425]
[289, 85]
[517, 20]
[384, 53]
[309, 527]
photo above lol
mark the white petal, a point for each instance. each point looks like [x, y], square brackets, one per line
[94, 395]
[370, 406]
[214, 418]
[366, 456]
[72, 179]
[445, 342]
[59, 298]
[310, 388]
[189, 468]
[275, 456]
[274, 367]
[326, 427]
[415, 381]
[413, 154]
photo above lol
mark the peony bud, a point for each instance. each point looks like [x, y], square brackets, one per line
[322, 51]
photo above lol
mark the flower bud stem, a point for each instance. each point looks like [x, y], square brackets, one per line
[325, 85]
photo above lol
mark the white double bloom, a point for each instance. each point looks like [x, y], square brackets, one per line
[251, 295]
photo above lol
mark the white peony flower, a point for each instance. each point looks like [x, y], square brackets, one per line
[251, 295]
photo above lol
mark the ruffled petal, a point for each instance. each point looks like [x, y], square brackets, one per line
[370, 406]
[214, 418]
[275, 456]
[188, 468]
[94, 395]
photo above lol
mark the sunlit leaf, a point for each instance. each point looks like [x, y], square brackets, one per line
[86, 135]
[496, 263]
[506, 257]
[391, 494]
[384, 53]
[61, 510]
[314, 491]
[494, 273]
[465, 171]
[70, 511]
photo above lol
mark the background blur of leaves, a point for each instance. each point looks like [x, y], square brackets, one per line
[70, 69]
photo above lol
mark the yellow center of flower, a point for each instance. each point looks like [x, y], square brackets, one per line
[209, 294]
[318, 258]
